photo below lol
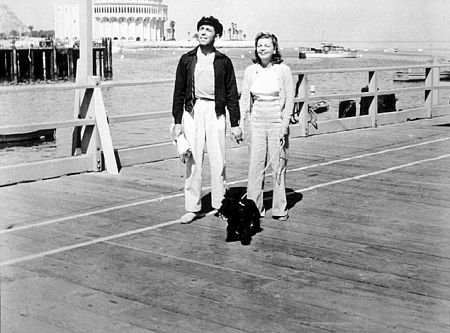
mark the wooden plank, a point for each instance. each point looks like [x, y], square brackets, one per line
[24, 322]
[140, 116]
[342, 124]
[12, 174]
[13, 129]
[145, 154]
[400, 116]
[440, 110]
[195, 303]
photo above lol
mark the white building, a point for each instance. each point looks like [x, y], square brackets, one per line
[118, 19]
[67, 18]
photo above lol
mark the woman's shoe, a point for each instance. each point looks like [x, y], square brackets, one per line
[281, 218]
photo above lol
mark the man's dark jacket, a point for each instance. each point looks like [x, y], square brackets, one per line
[225, 89]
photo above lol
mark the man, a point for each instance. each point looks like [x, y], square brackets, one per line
[205, 84]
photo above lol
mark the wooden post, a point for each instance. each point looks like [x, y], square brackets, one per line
[84, 69]
[14, 73]
[110, 65]
[84, 66]
[432, 80]
[104, 133]
[32, 60]
[302, 92]
[89, 103]
[85, 62]
[55, 66]
[70, 69]
[44, 69]
[373, 87]
[100, 63]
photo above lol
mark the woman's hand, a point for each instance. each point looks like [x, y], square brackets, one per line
[284, 131]
[236, 133]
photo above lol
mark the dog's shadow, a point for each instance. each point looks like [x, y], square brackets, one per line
[291, 195]
[242, 215]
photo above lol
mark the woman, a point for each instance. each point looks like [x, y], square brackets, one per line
[267, 100]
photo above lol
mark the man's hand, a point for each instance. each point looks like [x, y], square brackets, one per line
[177, 130]
[236, 133]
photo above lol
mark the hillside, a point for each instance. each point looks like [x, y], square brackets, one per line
[9, 21]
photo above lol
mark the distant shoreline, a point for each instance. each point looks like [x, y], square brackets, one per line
[121, 45]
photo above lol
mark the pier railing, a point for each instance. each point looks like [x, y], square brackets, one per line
[92, 148]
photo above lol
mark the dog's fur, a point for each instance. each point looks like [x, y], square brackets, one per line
[243, 218]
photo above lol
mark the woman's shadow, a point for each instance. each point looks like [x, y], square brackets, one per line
[292, 198]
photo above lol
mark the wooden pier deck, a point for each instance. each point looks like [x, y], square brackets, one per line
[366, 248]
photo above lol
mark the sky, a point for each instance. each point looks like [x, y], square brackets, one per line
[291, 20]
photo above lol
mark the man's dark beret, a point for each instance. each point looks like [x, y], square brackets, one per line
[212, 21]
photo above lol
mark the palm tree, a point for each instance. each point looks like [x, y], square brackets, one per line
[30, 27]
[172, 26]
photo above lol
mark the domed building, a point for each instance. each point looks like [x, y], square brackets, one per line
[129, 19]
[118, 19]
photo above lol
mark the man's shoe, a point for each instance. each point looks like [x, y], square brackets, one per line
[188, 217]
[281, 218]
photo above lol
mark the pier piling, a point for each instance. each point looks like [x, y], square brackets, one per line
[51, 62]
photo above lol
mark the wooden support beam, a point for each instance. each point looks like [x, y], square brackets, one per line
[432, 80]
[373, 87]
[85, 42]
[104, 133]
[301, 91]
[12, 174]
[14, 74]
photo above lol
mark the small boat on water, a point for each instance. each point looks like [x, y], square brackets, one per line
[319, 106]
[327, 50]
[40, 135]
[313, 110]
[417, 74]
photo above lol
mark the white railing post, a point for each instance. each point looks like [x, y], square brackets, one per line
[84, 70]
[89, 103]
[85, 61]
[432, 79]
[373, 87]
[302, 92]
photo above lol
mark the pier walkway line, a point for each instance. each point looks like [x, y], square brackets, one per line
[366, 248]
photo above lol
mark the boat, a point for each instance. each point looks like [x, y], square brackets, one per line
[327, 50]
[313, 109]
[417, 74]
[319, 106]
[40, 135]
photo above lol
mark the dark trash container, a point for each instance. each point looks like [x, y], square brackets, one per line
[347, 108]
[386, 103]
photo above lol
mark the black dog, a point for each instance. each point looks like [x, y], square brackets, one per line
[242, 216]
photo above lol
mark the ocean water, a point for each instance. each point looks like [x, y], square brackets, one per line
[147, 64]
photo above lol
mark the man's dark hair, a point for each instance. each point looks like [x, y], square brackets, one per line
[212, 21]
